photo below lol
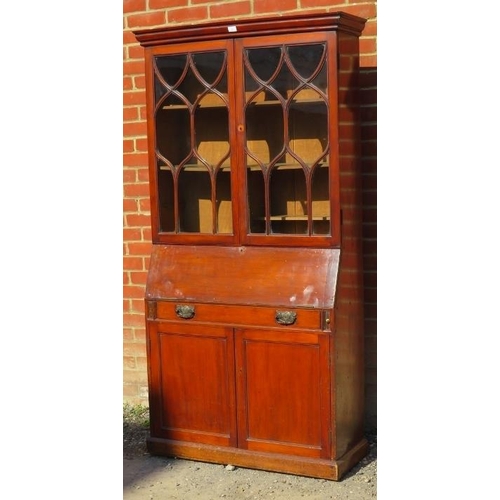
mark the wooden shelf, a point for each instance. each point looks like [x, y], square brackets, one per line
[253, 167]
[177, 107]
[278, 103]
[196, 168]
[285, 166]
[208, 101]
[210, 105]
[296, 217]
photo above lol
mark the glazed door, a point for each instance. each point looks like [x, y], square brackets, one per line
[287, 96]
[192, 160]
[283, 392]
[192, 389]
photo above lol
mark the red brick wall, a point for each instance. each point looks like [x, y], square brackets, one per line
[140, 14]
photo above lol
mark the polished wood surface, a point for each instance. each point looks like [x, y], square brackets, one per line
[289, 412]
[348, 354]
[196, 363]
[255, 284]
[303, 466]
[245, 315]
[334, 21]
[242, 275]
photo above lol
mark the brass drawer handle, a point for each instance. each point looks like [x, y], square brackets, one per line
[286, 317]
[184, 312]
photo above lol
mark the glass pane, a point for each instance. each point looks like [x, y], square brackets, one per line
[256, 199]
[264, 131]
[263, 63]
[286, 118]
[195, 201]
[307, 131]
[174, 148]
[170, 71]
[192, 134]
[306, 59]
[321, 200]
[211, 125]
[210, 67]
[288, 201]
[223, 201]
[166, 200]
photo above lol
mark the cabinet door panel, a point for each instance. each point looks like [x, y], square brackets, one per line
[192, 383]
[283, 392]
[286, 89]
[191, 116]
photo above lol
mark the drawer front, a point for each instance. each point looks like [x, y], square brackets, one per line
[240, 315]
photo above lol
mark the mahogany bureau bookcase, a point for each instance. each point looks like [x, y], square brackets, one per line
[254, 307]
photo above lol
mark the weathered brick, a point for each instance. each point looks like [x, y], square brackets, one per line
[187, 14]
[146, 20]
[134, 5]
[265, 6]
[230, 10]
[169, 4]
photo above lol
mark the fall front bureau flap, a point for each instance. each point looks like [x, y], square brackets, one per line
[244, 275]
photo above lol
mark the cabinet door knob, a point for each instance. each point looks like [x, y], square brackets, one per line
[184, 312]
[286, 317]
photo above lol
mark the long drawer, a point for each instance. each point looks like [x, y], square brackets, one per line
[309, 319]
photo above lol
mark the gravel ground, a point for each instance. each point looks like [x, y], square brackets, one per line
[147, 477]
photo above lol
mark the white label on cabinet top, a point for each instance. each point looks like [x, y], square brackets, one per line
[232, 29]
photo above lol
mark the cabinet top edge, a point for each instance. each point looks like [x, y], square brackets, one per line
[227, 29]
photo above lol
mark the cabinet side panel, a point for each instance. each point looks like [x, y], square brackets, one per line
[349, 348]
